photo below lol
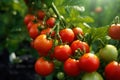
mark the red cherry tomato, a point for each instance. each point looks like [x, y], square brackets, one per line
[62, 52]
[77, 31]
[33, 31]
[114, 31]
[51, 22]
[44, 67]
[41, 14]
[67, 35]
[112, 71]
[89, 62]
[28, 18]
[83, 46]
[42, 44]
[47, 31]
[71, 67]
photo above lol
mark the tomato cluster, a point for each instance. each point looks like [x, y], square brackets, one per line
[57, 43]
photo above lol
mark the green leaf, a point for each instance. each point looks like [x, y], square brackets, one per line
[72, 2]
[48, 2]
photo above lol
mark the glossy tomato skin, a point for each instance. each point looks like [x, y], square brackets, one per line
[108, 53]
[112, 71]
[33, 31]
[83, 46]
[41, 14]
[42, 44]
[67, 35]
[89, 62]
[51, 22]
[92, 76]
[28, 18]
[77, 31]
[44, 67]
[62, 52]
[114, 31]
[71, 67]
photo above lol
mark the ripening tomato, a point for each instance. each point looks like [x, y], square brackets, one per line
[114, 31]
[67, 35]
[108, 53]
[41, 14]
[28, 18]
[71, 67]
[89, 62]
[62, 52]
[51, 22]
[77, 31]
[44, 67]
[83, 46]
[33, 31]
[112, 71]
[42, 44]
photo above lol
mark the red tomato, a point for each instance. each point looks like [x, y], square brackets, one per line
[33, 31]
[112, 71]
[77, 31]
[89, 62]
[43, 67]
[71, 67]
[83, 46]
[51, 22]
[62, 52]
[42, 44]
[47, 31]
[114, 31]
[30, 25]
[41, 14]
[67, 35]
[28, 18]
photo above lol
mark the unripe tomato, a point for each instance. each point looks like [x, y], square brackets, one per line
[92, 76]
[108, 53]
[112, 71]
[89, 62]
[67, 35]
[62, 52]
[51, 22]
[44, 67]
[71, 67]
[114, 31]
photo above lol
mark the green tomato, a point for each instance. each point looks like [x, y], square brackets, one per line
[92, 76]
[108, 53]
[60, 75]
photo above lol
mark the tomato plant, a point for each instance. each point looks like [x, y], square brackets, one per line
[71, 67]
[28, 18]
[90, 60]
[112, 71]
[44, 67]
[41, 14]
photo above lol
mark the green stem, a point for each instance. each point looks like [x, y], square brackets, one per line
[116, 20]
[56, 11]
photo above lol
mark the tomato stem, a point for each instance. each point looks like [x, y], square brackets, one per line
[116, 21]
